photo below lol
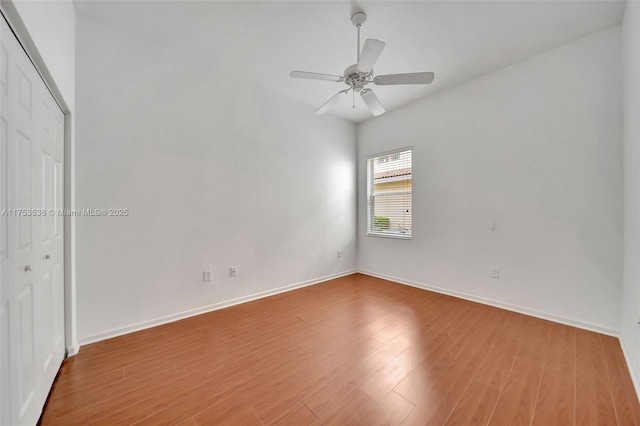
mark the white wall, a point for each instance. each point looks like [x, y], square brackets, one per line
[215, 173]
[47, 30]
[535, 147]
[631, 282]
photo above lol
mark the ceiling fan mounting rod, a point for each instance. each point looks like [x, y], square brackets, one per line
[358, 46]
[358, 19]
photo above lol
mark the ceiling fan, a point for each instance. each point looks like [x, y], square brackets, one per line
[357, 76]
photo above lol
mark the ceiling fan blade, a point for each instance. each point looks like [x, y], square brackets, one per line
[372, 102]
[316, 76]
[369, 55]
[409, 78]
[331, 102]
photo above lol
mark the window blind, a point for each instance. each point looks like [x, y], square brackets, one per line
[389, 184]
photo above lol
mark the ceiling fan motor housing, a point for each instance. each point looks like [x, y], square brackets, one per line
[356, 79]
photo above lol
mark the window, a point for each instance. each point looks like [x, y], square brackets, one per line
[387, 158]
[389, 194]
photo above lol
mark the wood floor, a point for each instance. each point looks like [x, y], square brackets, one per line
[355, 350]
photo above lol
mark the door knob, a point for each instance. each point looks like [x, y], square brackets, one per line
[47, 257]
[27, 268]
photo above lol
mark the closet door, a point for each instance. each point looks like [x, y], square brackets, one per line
[31, 290]
[51, 272]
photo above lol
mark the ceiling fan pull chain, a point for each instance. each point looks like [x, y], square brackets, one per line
[354, 99]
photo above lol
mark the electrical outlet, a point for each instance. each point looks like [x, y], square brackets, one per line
[494, 272]
[207, 275]
[233, 271]
[339, 253]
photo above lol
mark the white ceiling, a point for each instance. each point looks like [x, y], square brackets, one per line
[265, 40]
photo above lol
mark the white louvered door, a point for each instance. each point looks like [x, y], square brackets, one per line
[31, 268]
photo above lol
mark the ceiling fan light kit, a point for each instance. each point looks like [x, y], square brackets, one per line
[358, 75]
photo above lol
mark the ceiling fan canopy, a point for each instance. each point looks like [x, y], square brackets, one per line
[358, 75]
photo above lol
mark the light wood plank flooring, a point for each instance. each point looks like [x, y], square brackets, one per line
[355, 350]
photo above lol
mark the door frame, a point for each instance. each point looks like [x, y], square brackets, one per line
[10, 13]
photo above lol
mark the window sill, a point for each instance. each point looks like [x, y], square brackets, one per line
[390, 235]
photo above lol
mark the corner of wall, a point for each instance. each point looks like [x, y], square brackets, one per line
[630, 301]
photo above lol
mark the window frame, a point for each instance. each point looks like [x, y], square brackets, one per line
[370, 213]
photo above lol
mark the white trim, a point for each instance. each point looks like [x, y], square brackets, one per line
[382, 234]
[497, 304]
[71, 333]
[392, 151]
[18, 27]
[73, 349]
[630, 366]
[115, 332]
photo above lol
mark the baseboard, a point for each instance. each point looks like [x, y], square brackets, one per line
[497, 304]
[630, 365]
[115, 332]
[73, 349]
